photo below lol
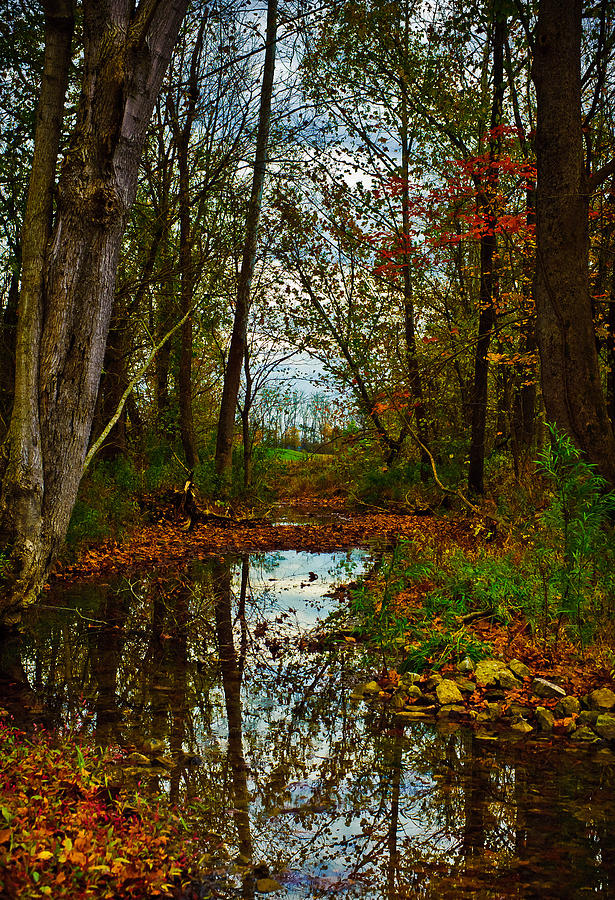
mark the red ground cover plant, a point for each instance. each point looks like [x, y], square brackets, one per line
[65, 832]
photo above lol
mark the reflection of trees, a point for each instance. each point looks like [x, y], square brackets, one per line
[322, 788]
[231, 680]
[106, 649]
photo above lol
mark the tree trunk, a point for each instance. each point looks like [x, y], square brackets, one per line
[63, 322]
[488, 277]
[570, 374]
[186, 261]
[113, 384]
[232, 375]
[8, 331]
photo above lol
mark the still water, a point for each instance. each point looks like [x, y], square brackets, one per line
[229, 666]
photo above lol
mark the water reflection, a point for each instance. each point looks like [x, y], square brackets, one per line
[331, 798]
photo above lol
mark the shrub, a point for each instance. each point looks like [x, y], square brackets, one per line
[574, 551]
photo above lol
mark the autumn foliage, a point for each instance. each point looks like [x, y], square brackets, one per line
[66, 832]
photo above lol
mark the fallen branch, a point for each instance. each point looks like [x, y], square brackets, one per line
[455, 492]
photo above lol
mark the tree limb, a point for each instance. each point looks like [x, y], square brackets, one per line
[130, 387]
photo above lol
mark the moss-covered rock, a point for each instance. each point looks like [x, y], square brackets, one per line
[605, 727]
[602, 699]
[487, 671]
[567, 706]
[547, 690]
[545, 719]
[447, 692]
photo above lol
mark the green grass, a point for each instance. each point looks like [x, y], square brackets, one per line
[287, 455]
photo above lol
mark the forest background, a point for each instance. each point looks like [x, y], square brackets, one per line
[417, 196]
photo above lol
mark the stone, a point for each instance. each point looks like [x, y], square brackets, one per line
[487, 671]
[519, 669]
[585, 734]
[465, 666]
[447, 692]
[494, 711]
[451, 709]
[521, 727]
[545, 719]
[416, 712]
[426, 700]
[137, 759]
[267, 885]
[464, 684]
[567, 706]
[507, 680]
[167, 762]
[433, 681]
[603, 698]
[547, 690]
[588, 717]
[605, 727]
[409, 678]
[398, 700]
[517, 710]
[372, 687]
[153, 745]
[413, 690]
[479, 717]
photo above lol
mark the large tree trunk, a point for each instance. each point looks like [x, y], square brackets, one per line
[232, 375]
[63, 327]
[571, 385]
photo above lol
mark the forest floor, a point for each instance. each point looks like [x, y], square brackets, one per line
[313, 525]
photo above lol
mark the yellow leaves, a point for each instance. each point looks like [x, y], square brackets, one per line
[118, 864]
[44, 854]
[77, 858]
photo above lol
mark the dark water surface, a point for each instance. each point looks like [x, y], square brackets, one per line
[226, 666]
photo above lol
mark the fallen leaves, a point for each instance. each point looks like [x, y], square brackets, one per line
[79, 838]
[167, 543]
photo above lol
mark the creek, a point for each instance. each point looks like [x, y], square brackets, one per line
[226, 667]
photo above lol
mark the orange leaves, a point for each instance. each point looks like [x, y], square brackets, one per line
[166, 543]
[84, 840]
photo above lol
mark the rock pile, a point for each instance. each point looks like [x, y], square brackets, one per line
[501, 694]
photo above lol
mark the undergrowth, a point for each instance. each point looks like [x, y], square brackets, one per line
[557, 572]
[66, 832]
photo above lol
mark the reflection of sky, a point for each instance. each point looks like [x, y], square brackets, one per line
[281, 583]
[322, 771]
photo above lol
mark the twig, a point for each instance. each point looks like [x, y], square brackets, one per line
[455, 491]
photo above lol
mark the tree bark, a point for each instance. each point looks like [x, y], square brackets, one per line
[64, 317]
[232, 375]
[186, 261]
[570, 374]
[22, 492]
[413, 371]
[488, 276]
